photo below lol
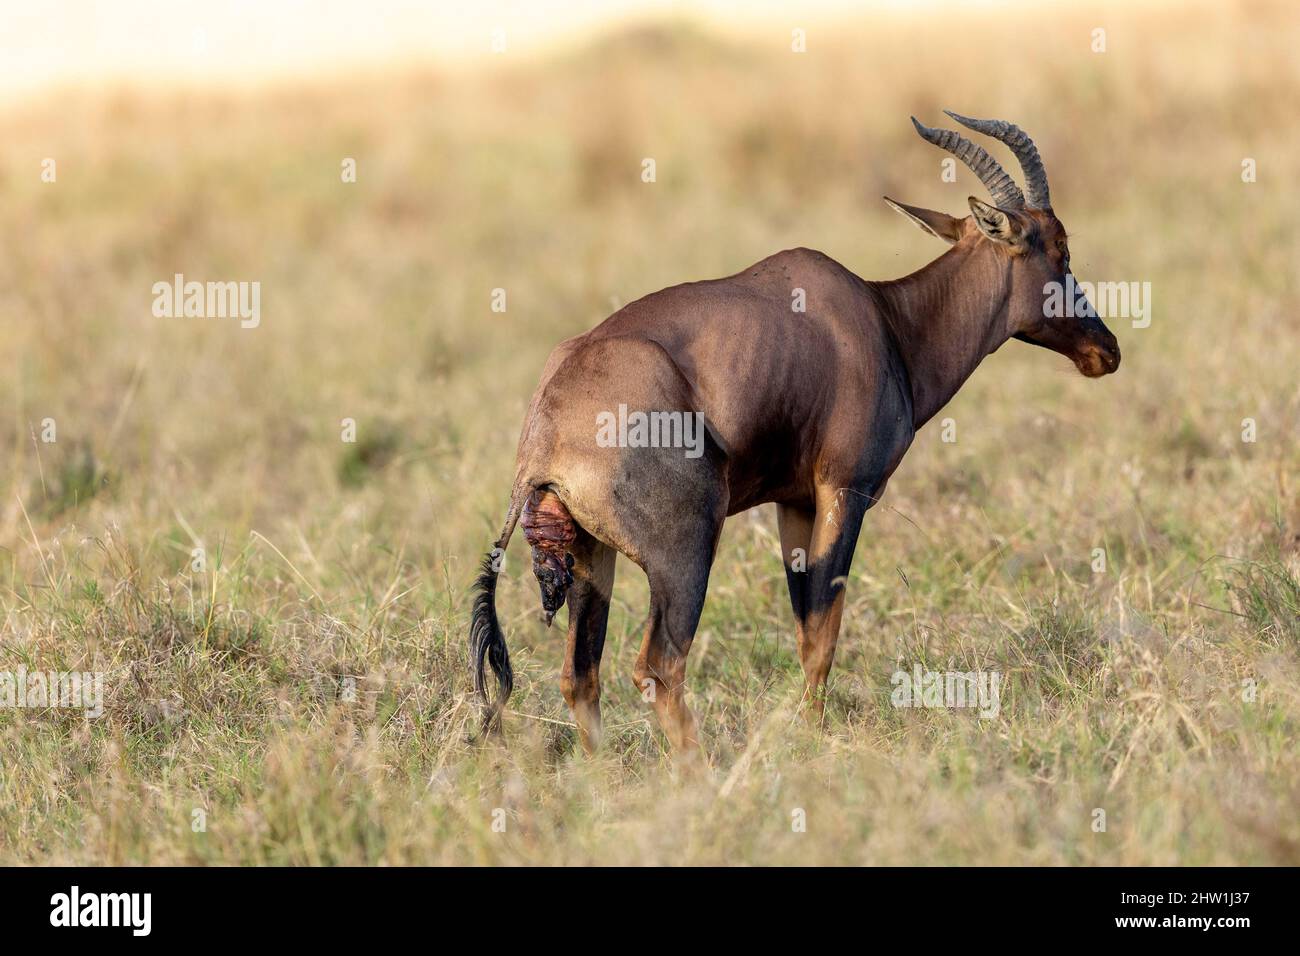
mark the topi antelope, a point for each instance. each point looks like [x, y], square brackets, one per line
[811, 411]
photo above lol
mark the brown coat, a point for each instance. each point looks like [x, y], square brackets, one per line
[811, 410]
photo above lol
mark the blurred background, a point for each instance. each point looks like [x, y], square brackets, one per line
[248, 43]
[500, 146]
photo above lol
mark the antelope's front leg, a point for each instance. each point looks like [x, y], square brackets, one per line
[834, 536]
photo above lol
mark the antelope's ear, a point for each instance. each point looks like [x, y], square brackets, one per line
[938, 224]
[994, 222]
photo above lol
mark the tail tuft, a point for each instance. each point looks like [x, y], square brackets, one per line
[487, 642]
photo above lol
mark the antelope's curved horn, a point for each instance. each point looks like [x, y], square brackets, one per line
[1001, 187]
[1026, 152]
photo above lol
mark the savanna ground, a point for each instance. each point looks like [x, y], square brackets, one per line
[308, 690]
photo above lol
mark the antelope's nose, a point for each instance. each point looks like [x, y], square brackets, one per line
[1108, 354]
[1098, 354]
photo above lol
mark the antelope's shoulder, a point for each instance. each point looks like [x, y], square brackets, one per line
[800, 260]
[813, 271]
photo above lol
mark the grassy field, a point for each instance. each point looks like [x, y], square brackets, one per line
[307, 690]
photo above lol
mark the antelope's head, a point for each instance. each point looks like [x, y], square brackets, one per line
[1022, 231]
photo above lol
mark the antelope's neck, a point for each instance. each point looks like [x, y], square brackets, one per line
[945, 319]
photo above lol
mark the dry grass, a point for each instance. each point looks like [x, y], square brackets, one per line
[333, 566]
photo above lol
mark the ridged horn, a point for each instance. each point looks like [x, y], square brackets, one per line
[1026, 152]
[1001, 187]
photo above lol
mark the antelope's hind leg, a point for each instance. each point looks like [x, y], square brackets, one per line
[683, 531]
[588, 599]
[676, 600]
[677, 567]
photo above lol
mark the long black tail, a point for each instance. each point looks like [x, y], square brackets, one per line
[487, 642]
